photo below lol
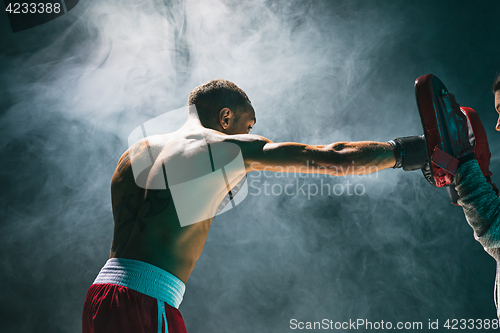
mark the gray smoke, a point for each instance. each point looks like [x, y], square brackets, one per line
[72, 90]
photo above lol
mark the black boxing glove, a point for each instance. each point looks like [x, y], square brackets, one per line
[409, 152]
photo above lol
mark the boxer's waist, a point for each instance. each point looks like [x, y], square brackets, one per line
[144, 278]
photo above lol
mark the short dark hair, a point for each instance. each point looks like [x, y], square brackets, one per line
[214, 95]
[496, 85]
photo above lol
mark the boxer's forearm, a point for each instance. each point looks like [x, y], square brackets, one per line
[480, 204]
[364, 156]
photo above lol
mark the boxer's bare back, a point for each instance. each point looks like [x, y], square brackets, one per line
[147, 226]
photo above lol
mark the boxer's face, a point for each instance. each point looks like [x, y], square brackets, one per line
[245, 120]
[497, 107]
[238, 123]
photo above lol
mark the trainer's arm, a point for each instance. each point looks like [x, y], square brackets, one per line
[362, 157]
[480, 204]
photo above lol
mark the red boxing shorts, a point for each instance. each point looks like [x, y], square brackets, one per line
[133, 296]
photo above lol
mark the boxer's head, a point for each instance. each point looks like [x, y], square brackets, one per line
[496, 90]
[223, 106]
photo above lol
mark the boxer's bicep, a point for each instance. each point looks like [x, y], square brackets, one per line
[292, 155]
[287, 156]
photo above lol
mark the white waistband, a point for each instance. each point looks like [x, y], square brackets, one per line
[144, 278]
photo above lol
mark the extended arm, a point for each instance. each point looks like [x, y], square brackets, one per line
[480, 204]
[362, 157]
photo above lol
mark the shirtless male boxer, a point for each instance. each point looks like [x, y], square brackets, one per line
[152, 253]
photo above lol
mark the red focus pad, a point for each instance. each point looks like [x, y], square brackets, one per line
[478, 138]
[445, 161]
[445, 130]
[480, 141]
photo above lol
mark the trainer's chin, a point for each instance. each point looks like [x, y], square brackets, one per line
[498, 125]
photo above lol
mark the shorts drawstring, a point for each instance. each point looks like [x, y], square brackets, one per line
[162, 314]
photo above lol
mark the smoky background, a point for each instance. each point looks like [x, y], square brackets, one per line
[72, 90]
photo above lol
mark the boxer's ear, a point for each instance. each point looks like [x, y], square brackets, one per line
[25, 15]
[225, 117]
